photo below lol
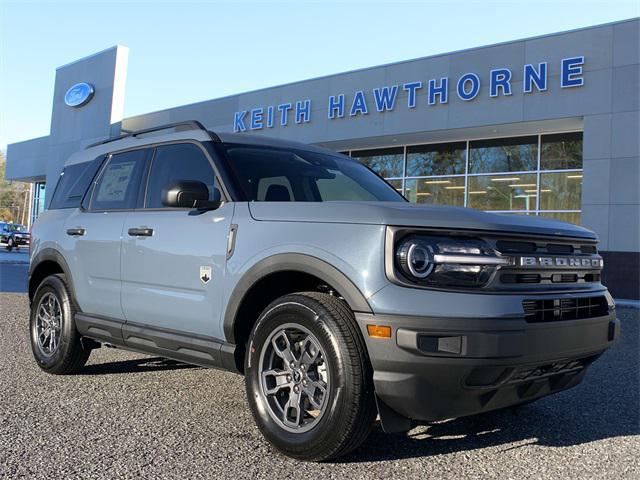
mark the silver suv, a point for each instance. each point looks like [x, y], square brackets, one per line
[304, 271]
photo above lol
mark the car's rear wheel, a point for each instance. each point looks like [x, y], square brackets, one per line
[308, 378]
[55, 341]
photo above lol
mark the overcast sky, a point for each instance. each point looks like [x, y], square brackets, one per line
[183, 52]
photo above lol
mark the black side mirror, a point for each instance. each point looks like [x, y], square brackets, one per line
[188, 194]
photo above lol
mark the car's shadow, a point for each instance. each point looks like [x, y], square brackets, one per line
[605, 405]
[140, 365]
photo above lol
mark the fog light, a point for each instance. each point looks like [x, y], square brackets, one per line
[379, 331]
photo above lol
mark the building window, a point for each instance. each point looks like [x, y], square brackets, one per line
[38, 203]
[561, 151]
[436, 159]
[436, 191]
[386, 162]
[533, 175]
[503, 155]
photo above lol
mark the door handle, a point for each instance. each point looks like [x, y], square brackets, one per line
[76, 232]
[140, 232]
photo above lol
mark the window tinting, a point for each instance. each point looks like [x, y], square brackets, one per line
[119, 182]
[172, 163]
[436, 159]
[73, 183]
[560, 151]
[274, 174]
[503, 155]
[386, 162]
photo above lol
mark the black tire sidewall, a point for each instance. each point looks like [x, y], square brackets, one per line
[55, 285]
[320, 324]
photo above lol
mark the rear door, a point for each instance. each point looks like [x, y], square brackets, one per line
[173, 260]
[92, 236]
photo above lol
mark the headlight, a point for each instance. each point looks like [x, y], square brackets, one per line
[435, 261]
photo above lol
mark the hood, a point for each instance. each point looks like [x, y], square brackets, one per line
[412, 215]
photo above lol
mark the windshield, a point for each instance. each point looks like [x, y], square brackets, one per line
[18, 228]
[290, 175]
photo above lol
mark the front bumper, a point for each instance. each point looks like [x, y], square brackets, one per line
[435, 368]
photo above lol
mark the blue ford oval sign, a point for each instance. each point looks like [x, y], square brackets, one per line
[78, 95]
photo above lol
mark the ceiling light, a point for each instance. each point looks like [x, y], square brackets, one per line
[522, 185]
[455, 188]
[433, 182]
[479, 192]
[506, 179]
[574, 176]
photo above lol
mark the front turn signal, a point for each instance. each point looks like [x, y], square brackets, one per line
[379, 331]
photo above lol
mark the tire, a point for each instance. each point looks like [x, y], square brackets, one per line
[66, 355]
[343, 415]
[10, 244]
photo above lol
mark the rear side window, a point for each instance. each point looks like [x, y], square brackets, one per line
[73, 184]
[184, 161]
[119, 182]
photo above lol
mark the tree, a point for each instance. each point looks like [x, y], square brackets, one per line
[14, 197]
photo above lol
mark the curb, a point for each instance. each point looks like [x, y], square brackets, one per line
[621, 302]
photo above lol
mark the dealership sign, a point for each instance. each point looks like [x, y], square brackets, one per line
[433, 92]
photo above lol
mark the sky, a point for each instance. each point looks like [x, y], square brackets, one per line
[183, 52]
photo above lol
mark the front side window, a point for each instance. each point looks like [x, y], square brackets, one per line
[171, 163]
[275, 174]
[119, 182]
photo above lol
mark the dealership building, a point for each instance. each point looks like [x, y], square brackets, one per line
[543, 126]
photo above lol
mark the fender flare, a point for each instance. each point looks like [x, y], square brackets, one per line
[297, 262]
[49, 254]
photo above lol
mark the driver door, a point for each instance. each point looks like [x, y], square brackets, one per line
[173, 259]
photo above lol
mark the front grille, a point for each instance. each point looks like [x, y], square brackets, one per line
[537, 372]
[559, 309]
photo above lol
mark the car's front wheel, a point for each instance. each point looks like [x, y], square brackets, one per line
[10, 244]
[55, 342]
[308, 378]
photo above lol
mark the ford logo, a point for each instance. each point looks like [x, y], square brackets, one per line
[78, 95]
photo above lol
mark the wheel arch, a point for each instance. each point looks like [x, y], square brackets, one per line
[47, 261]
[295, 263]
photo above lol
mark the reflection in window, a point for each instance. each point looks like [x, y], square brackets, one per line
[503, 155]
[436, 159]
[436, 191]
[571, 217]
[503, 192]
[560, 191]
[386, 162]
[561, 151]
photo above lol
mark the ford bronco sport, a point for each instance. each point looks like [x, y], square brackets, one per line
[303, 270]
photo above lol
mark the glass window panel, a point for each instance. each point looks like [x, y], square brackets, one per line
[397, 184]
[571, 217]
[436, 159]
[386, 162]
[560, 151]
[560, 191]
[503, 192]
[503, 155]
[436, 191]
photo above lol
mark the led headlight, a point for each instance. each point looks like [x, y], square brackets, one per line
[431, 260]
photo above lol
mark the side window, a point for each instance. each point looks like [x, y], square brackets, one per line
[73, 183]
[118, 185]
[184, 161]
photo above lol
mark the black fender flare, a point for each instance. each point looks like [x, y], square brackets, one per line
[292, 262]
[53, 255]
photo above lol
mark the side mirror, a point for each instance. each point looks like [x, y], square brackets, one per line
[188, 194]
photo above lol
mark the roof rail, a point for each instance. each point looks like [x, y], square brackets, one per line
[193, 124]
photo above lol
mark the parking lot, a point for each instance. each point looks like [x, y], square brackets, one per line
[127, 415]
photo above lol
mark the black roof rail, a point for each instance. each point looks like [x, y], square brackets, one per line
[194, 124]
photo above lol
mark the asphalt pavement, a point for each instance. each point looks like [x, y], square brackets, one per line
[127, 415]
